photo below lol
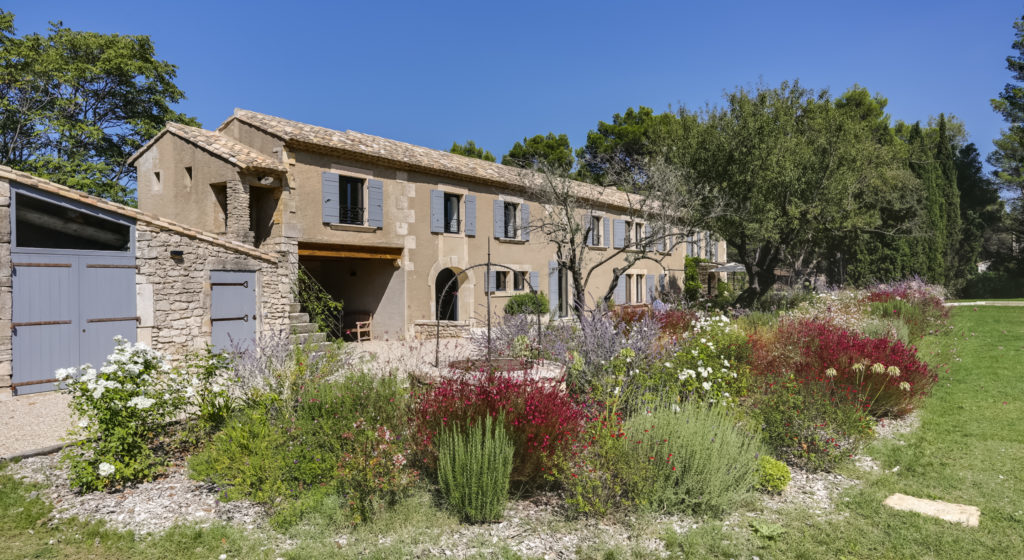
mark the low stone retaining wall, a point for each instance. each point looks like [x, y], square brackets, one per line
[425, 330]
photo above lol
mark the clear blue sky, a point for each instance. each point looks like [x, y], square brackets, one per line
[433, 72]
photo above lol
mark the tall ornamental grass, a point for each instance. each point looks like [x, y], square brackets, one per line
[694, 458]
[474, 466]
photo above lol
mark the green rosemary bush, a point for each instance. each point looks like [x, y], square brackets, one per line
[474, 465]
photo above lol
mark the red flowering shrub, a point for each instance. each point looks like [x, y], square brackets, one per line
[884, 376]
[629, 315]
[675, 321]
[543, 421]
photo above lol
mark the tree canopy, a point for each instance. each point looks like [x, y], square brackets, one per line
[470, 149]
[74, 105]
[632, 138]
[549, 152]
[1008, 157]
[794, 171]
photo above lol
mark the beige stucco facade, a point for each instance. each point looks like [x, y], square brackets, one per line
[390, 269]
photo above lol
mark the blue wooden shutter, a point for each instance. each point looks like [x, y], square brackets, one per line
[620, 234]
[436, 211]
[647, 236]
[499, 219]
[592, 238]
[534, 281]
[525, 225]
[330, 194]
[375, 203]
[492, 281]
[553, 286]
[607, 232]
[470, 214]
[620, 290]
[652, 288]
[663, 282]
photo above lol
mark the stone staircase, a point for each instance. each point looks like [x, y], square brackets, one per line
[303, 330]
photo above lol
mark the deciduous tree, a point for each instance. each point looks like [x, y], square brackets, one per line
[74, 105]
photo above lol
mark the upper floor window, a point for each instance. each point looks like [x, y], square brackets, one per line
[627, 240]
[511, 221]
[351, 207]
[639, 232]
[595, 230]
[452, 202]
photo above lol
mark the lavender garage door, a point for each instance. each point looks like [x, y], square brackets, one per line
[73, 286]
[233, 308]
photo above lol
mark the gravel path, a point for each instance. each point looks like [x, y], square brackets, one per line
[990, 303]
[148, 507]
[33, 421]
[415, 356]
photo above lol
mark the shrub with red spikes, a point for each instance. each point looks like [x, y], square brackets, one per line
[543, 421]
[885, 376]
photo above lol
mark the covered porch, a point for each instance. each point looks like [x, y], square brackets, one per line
[369, 280]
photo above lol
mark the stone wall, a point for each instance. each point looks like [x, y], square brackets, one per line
[426, 330]
[174, 293]
[6, 303]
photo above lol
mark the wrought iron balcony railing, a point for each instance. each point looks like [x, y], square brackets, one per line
[351, 215]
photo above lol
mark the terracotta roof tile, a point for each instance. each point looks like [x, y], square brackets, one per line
[238, 154]
[443, 163]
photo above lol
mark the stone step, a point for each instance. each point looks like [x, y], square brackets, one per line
[309, 338]
[303, 328]
[297, 318]
[294, 307]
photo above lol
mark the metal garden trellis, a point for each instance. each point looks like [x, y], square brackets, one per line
[487, 265]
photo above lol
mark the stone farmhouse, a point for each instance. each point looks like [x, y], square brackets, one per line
[225, 219]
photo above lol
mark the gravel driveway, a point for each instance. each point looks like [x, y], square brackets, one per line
[33, 421]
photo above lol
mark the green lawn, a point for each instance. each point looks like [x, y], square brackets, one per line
[968, 449]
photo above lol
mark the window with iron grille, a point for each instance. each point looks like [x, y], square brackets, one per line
[351, 208]
[452, 202]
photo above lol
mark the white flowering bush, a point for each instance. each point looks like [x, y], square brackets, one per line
[121, 408]
[709, 365]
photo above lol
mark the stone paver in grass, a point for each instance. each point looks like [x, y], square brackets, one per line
[954, 513]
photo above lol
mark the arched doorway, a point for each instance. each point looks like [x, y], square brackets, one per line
[446, 290]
